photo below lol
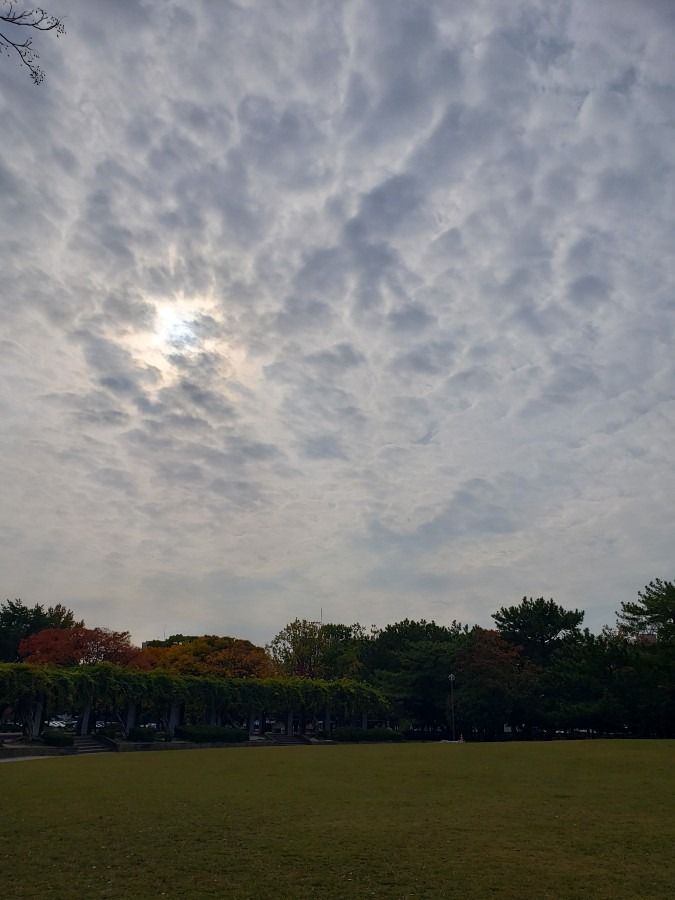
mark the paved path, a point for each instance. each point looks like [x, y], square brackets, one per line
[23, 758]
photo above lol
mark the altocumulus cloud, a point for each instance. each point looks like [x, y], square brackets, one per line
[357, 305]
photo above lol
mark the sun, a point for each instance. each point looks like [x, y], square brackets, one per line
[184, 331]
[178, 327]
[175, 329]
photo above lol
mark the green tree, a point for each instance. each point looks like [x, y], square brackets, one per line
[172, 640]
[583, 687]
[381, 650]
[417, 684]
[538, 626]
[18, 621]
[317, 650]
[409, 661]
[653, 613]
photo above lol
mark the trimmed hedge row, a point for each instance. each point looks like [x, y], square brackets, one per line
[22, 686]
[57, 739]
[356, 735]
[205, 734]
[142, 735]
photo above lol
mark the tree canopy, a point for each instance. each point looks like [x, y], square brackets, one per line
[81, 646]
[210, 655]
[492, 683]
[652, 613]
[18, 621]
[538, 626]
[382, 651]
[317, 650]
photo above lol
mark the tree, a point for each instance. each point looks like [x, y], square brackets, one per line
[341, 646]
[210, 656]
[80, 647]
[172, 640]
[417, 685]
[653, 613]
[317, 650]
[410, 662]
[538, 626]
[381, 651]
[493, 683]
[585, 683]
[18, 621]
[36, 19]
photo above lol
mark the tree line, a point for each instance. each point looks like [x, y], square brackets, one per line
[536, 673]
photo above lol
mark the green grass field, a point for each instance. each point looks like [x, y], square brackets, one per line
[584, 819]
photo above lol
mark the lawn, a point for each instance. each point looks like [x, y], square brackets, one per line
[584, 819]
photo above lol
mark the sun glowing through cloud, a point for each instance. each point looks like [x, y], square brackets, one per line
[185, 331]
[175, 329]
[180, 328]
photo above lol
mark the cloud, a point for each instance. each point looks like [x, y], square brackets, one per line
[411, 318]
[323, 446]
[335, 359]
[369, 307]
[426, 359]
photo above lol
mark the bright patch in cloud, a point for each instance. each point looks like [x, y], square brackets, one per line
[175, 330]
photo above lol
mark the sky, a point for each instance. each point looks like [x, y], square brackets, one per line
[353, 311]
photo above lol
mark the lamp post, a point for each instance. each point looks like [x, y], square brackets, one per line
[451, 679]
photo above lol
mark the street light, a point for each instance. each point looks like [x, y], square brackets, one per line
[451, 679]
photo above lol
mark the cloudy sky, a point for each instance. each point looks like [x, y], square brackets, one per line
[361, 308]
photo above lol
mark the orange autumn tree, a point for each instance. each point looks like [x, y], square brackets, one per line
[210, 655]
[80, 647]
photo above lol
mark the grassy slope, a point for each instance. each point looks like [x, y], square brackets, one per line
[592, 819]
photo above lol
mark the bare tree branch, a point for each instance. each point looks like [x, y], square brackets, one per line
[35, 18]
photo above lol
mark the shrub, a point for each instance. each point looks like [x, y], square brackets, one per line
[206, 734]
[57, 739]
[9, 729]
[142, 735]
[109, 731]
[350, 735]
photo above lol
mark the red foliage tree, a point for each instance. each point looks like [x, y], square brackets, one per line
[81, 646]
[493, 679]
